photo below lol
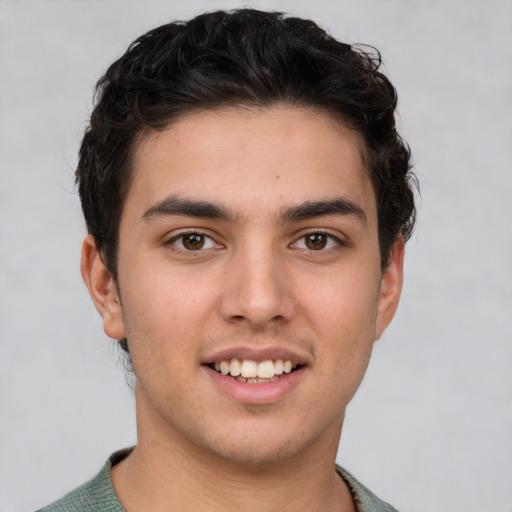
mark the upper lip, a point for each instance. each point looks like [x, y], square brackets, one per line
[257, 354]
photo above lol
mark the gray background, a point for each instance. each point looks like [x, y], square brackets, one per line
[430, 430]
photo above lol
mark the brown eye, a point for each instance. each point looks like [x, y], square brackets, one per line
[193, 241]
[316, 241]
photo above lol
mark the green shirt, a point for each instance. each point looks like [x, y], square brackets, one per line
[98, 495]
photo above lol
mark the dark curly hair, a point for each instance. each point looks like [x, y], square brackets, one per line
[243, 58]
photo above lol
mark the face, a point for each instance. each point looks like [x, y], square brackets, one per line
[250, 287]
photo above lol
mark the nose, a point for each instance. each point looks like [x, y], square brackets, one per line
[257, 290]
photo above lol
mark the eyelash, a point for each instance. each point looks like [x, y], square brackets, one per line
[182, 236]
[331, 241]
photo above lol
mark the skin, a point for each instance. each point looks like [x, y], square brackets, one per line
[254, 286]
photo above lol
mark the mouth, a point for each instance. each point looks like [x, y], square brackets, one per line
[253, 372]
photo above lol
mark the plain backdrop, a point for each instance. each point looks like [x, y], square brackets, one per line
[430, 429]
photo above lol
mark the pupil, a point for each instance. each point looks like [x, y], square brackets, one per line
[316, 241]
[193, 242]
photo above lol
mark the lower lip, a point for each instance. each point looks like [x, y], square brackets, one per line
[256, 394]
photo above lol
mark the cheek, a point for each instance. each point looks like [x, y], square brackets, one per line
[163, 298]
[343, 302]
[343, 320]
[162, 314]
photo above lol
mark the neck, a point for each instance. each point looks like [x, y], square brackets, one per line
[172, 476]
[151, 480]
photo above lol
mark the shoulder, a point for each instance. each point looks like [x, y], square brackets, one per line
[365, 500]
[96, 494]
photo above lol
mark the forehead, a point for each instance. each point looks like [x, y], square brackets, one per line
[271, 156]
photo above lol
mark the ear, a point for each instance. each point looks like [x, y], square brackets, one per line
[391, 287]
[102, 289]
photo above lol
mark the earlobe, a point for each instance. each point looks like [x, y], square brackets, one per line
[391, 287]
[102, 289]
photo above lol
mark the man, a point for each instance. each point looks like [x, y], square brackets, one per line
[247, 199]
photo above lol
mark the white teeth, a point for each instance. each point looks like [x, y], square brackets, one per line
[265, 369]
[236, 367]
[249, 371]
[255, 381]
[224, 367]
[249, 368]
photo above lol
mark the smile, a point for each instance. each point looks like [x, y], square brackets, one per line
[253, 372]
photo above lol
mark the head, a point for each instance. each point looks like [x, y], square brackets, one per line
[247, 197]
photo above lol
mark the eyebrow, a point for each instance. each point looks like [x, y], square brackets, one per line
[174, 205]
[312, 209]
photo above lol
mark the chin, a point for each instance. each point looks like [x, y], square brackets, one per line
[257, 447]
[257, 454]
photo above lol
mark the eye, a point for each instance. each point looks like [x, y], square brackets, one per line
[192, 242]
[317, 241]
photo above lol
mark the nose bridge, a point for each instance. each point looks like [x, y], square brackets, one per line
[256, 286]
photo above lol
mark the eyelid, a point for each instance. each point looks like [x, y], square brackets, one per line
[171, 241]
[337, 238]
